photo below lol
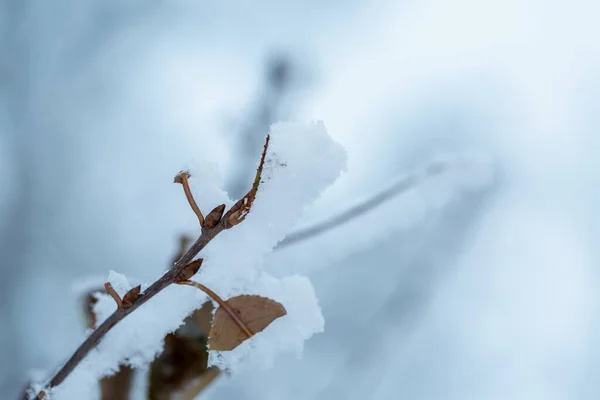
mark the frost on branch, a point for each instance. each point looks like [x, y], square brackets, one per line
[301, 162]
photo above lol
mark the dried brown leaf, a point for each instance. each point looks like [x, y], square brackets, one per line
[189, 270]
[131, 296]
[255, 311]
[117, 386]
[213, 217]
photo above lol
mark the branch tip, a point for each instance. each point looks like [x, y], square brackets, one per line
[252, 193]
[242, 207]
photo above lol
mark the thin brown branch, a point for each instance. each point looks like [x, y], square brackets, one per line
[362, 208]
[230, 311]
[252, 193]
[182, 178]
[240, 209]
[173, 275]
[113, 293]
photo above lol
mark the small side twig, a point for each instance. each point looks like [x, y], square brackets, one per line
[113, 293]
[230, 311]
[182, 178]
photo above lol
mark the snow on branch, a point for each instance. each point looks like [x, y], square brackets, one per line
[133, 318]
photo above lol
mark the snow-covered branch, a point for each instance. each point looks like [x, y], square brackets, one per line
[300, 163]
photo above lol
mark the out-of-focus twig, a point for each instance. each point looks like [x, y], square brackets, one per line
[279, 78]
[362, 208]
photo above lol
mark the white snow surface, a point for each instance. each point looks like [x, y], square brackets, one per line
[301, 162]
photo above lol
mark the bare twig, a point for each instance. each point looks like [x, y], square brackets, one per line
[241, 208]
[223, 305]
[111, 291]
[252, 193]
[182, 178]
[173, 275]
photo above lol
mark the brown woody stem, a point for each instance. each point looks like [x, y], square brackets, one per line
[183, 179]
[111, 291]
[230, 311]
[170, 277]
[252, 193]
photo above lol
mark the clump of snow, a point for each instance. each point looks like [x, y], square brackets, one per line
[205, 184]
[301, 162]
[303, 319]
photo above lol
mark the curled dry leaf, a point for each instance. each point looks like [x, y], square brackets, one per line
[131, 296]
[189, 270]
[255, 311]
[213, 218]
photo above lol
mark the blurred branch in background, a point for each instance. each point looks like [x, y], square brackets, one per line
[407, 183]
[448, 233]
[282, 79]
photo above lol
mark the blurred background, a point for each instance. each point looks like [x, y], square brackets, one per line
[491, 296]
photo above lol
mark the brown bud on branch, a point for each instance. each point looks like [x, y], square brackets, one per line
[189, 270]
[131, 296]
